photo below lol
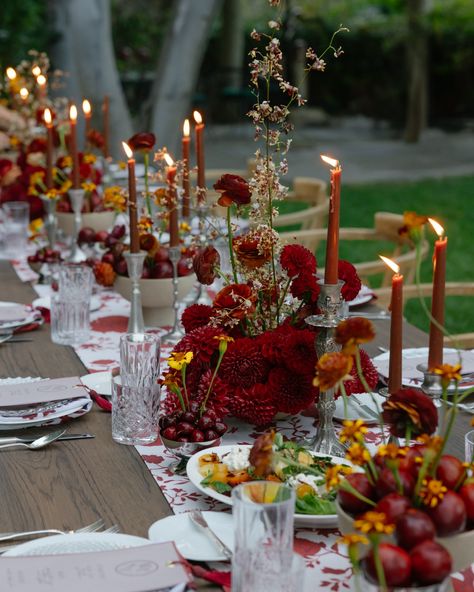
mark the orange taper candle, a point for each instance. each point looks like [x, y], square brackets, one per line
[201, 167]
[185, 157]
[435, 353]
[73, 147]
[332, 243]
[48, 120]
[132, 200]
[172, 201]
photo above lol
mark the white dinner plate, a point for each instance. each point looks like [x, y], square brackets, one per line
[365, 295]
[29, 316]
[190, 540]
[45, 302]
[192, 469]
[412, 356]
[100, 382]
[77, 543]
[354, 409]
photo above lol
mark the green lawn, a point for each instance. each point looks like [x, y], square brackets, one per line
[451, 201]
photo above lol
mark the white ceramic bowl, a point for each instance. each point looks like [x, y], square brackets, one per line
[95, 220]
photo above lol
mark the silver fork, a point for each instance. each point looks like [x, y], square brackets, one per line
[198, 519]
[94, 527]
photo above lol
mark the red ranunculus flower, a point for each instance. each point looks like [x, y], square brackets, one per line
[235, 301]
[410, 408]
[296, 259]
[233, 189]
[96, 139]
[196, 315]
[204, 263]
[143, 141]
[306, 287]
[248, 252]
[347, 272]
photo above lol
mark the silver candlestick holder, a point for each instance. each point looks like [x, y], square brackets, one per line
[176, 332]
[329, 302]
[135, 270]
[77, 201]
[433, 387]
[51, 221]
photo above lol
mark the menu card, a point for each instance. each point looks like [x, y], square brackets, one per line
[150, 568]
[42, 391]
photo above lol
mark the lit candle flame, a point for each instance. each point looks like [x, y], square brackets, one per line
[41, 80]
[86, 107]
[436, 227]
[24, 93]
[36, 70]
[393, 266]
[128, 151]
[169, 160]
[197, 117]
[73, 113]
[11, 73]
[330, 161]
[186, 128]
[47, 117]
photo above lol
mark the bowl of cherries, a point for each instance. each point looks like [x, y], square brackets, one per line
[44, 262]
[184, 433]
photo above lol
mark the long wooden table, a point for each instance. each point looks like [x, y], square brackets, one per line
[70, 484]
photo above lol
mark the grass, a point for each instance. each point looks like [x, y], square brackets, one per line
[451, 201]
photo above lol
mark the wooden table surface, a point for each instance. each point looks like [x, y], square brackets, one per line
[71, 484]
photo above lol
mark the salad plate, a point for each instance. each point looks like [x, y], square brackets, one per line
[364, 296]
[314, 507]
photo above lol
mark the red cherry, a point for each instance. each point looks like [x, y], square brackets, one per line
[430, 563]
[450, 471]
[110, 241]
[205, 423]
[117, 250]
[100, 236]
[118, 231]
[396, 565]
[184, 428]
[197, 436]
[211, 414]
[194, 407]
[185, 266]
[210, 435]
[162, 254]
[108, 258]
[220, 427]
[467, 494]
[86, 235]
[414, 527]
[169, 433]
[450, 514]
[189, 417]
[349, 502]
[393, 505]
[387, 483]
[163, 270]
[120, 267]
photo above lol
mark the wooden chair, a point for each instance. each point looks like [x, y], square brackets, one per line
[385, 229]
[464, 340]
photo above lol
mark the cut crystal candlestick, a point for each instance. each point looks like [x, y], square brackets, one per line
[329, 302]
[135, 270]
[176, 332]
[51, 221]
[77, 201]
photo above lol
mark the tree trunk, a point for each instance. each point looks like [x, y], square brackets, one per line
[85, 50]
[417, 59]
[178, 68]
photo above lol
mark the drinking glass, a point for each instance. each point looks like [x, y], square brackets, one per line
[135, 411]
[139, 358]
[469, 446]
[70, 307]
[263, 551]
[15, 235]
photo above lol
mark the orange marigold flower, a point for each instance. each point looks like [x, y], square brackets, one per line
[374, 523]
[353, 539]
[432, 492]
[413, 225]
[448, 373]
[352, 431]
[358, 454]
[332, 369]
[433, 442]
[352, 332]
[104, 274]
[334, 475]
[391, 451]
[261, 454]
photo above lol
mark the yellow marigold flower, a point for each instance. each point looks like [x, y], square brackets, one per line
[160, 196]
[413, 225]
[66, 161]
[448, 373]
[352, 431]
[36, 225]
[88, 186]
[90, 158]
[332, 369]
[14, 141]
[145, 224]
[65, 186]
[185, 227]
[433, 442]
[224, 338]
[122, 165]
[114, 198]
[374, 523]
[334, 475]
[179, 359]
[432, 492]
[391, 451]
[353, 539]
[53, 193]
[358, 454]
[37, 178]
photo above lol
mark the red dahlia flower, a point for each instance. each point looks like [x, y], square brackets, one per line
[243, 364]
[412, 409]
[296, 259]
[254, 405]
[196, 315]
[202, 342]
[347, 272]
[354, 384]
[204, 263]
[143, 141]
[233, 189]
[306, 287]
[292, 392]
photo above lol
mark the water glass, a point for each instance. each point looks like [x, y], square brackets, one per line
[469, 446]
[15, 234]
[263, 560]
[70, 307]
[139, 358]
[135, 411]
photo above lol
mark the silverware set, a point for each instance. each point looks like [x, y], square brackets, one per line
[198, 519]
[11, 337]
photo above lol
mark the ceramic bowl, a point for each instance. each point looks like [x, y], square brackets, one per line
[95, 220]
[185, 450]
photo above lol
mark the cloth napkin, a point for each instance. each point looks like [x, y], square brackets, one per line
[222, 578]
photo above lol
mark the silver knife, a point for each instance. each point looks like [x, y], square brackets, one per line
[28, 439]
[198, 519]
